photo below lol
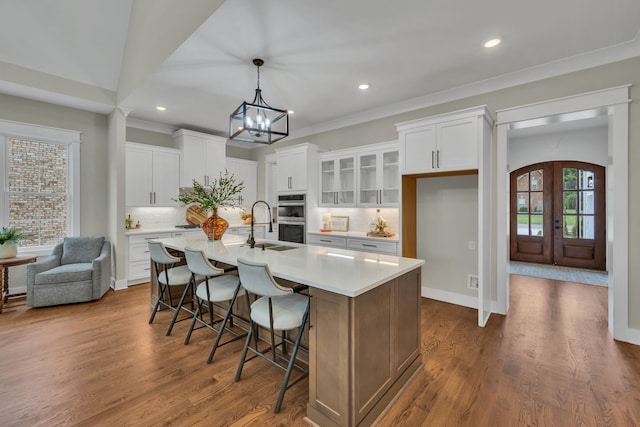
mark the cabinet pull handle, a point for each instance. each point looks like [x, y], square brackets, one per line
[369, 245]
[326, 241]
[433, 163]
[438, 158]
[147, 269]
[150, 198]
[154, 197]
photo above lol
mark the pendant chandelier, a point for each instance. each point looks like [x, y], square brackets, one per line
[257, 121]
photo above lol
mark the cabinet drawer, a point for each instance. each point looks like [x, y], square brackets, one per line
[331, 241]
[139, 270]
[373, 246]
[139, 252]
[146, 237]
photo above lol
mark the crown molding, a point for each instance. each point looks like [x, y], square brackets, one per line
[150, 126]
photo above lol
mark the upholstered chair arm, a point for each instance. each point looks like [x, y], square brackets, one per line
[41, 265]
[102, 271]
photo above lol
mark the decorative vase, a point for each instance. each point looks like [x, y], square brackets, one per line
[214, 226]
[8, 250]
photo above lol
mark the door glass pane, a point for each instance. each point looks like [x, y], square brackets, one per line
[587, 227]
[536, 202]
[569, 226]
[587, 200]
[587, 179]
[569, 178]
[536, 225]
[523, 225]
[523, 182]
[523, 202]
[569, 201]
[536, 180]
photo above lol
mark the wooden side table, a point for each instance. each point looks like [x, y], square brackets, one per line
[4, 265]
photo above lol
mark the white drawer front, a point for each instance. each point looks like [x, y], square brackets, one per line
[146, 237]
[330, 241]
[139, 270]
[139, 252]
[373, 246]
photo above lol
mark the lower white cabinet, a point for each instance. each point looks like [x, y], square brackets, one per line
[258, 231]
[138, 258]
[355, 244]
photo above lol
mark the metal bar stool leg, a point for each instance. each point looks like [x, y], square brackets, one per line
[224, 324]
[292, 361]
[193, 321]
[180, 303]
[244, 353]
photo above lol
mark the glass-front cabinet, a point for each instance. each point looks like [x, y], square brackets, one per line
[379, 177]
[338, 181]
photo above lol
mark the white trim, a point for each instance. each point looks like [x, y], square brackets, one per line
[39, 133]
[450, 297]
[616, 99]
[118, 285]
[150, 126]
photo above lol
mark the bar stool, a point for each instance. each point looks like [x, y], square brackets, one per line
[169, 275]
[217, 287]
[277, 309]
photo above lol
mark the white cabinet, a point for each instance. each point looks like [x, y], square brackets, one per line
[444, 143]
[379, 176]
[138, 258]
[295, 166]
[245, 171]
[203, 156]
[152, 175]
[258, 231]
[362, 244]
[338, 180]
[328, 240]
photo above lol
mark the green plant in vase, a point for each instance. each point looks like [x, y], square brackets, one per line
[9, 238]
[220, 193]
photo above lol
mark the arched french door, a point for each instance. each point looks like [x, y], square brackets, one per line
[557, 214]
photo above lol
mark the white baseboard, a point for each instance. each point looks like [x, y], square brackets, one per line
[18, 290]
[450, 297]
[118, 285]
[630, 335]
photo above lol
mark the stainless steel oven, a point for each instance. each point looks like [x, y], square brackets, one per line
[292, 218]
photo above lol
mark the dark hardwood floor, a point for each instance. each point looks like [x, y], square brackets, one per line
[550, 362]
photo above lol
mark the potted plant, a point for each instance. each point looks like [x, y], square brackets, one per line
[219, 194]
[9, 238]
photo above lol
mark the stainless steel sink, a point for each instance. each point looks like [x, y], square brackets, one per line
[271, 246]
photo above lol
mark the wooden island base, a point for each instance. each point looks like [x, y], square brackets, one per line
[362, 350]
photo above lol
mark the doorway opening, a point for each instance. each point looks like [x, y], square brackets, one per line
[557, 214]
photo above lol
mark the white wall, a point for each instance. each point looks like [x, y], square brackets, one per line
[584, 145]
[447, 219]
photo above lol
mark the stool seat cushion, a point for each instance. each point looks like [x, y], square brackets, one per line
[177, 276]
[221, 288]
[288, 311]
[65, 273]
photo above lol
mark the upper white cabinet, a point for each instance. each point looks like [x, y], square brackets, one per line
[245, 171]
[379, 176]
[338, 180]
[152, 175]
[443, 143]
[295, 165]
[203, 156]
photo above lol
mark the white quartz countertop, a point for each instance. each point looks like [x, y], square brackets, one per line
[135, 231]
[341, 271]
[354, 235]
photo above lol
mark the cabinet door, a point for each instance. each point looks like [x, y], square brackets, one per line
[389, 177]
[346, 183]
[292, 171]
[247, 173]
[138, 177]
[166, 178]
[368, 191]
[214, 153]
[194, 161]
[458, 145]
[419, 150]
[328, 179]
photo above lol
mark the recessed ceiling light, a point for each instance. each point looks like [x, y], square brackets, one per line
[290, 111]
[161, 108]
[363, 86]
[492, 43]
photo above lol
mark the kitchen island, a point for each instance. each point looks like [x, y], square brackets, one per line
[364, 324]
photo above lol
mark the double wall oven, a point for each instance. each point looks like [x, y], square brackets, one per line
[292, 219]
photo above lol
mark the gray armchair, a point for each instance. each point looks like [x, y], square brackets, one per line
[78, 270]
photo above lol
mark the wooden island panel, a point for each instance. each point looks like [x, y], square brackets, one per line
[362, 350]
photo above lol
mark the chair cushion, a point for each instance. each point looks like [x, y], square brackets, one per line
[288, 311]
[65, 274]
[177, 276]
[221, 288]
[81, 249]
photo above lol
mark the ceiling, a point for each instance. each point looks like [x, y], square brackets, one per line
[412, 53]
